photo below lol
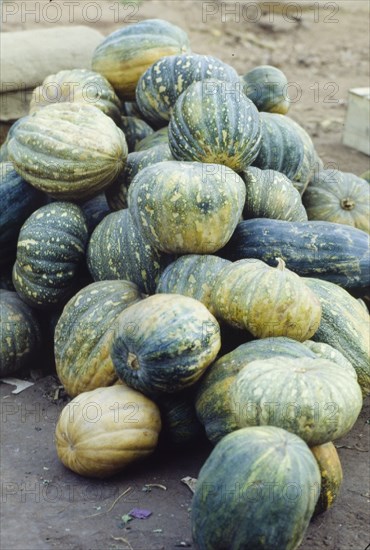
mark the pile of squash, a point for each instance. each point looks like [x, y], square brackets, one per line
[201, 270]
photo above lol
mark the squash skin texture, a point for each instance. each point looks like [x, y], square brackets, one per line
[125, 54]
[249, 294]
[186, 207]
[312, 398]
[331, 475]
[164, 343]
[241, 513]
[68, 150]
[213, 121]
[121, 427]
[267, 86]
[83, 334]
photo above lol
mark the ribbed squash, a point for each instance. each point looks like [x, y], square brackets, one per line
[130, 108]
[270, 194]
[286, 147]
[135, 130]
[266, 301]
[331, 475]
[186, 207]
[68, 150]
[125, 54]
[164, 343]
[267, 87]
[345, 325]
[312, 398]
[157, 138]
[215, 408]
[50, 253]
[213, 121]
[164, 81]
[192, 275]
[77, 86]
[18, 200]
[180, 423]
[95, 210]
[4, 153]
[100, 432]
[330, 251]
[256, 491]
[83, 334]
[339, 197]
[118, 250]
[20, 334]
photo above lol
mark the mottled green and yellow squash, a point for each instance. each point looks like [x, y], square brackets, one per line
[267, 87]
[331, 475]
[135, 130]
[159, 137]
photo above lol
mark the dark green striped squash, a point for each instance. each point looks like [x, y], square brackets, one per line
[50, 253]
[331, 472]
[256, 491]
[68, 150]
[135, 130]
[130, 108]
[126, 53]
[20, 334]
[163, 82]
[164, 343]
[267, 87]
[180, 425]
[270, 194]
[330, 251]
[95, 210]
[339, 197]
[83, 333]
[186, 207]
[213, 121]
[159, 137]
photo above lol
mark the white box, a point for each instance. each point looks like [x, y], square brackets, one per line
[357, 125]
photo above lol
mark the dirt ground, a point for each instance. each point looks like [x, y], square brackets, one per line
[324, 53]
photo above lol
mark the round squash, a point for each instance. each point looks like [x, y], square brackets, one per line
[20, 334]
[102, 431]
[180, 423]
[267, 87]
[4, 153]
[83, 333]
[157, 138]
[164, 81]
[126, 53]
[270, 194]
[135, 130]
[50, 253]
[186, 207]
[164, 343]
[312, 398]
[130, 108]
[256, 491]
[95, 210]
[68, 150]
[213, 121]
[331, 475]
[265, 301]
[339, 197]
[77, 86]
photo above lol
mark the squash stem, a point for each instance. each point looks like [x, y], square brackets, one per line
[132, 361]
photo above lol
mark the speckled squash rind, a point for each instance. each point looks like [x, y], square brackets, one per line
[95, 210]
[213, 121]
[50, 251]
[272, 486]
[163, 82]
[125, 54]
[266, 301]
[135, 130]
[331, 475]
[339, 197]
[271, 194]
[186, 207]
[4, 153]
[312, 398]
[164, 343]
[159, 137]
[68, 150]
[267, 87]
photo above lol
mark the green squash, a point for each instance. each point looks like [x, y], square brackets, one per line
[312, 398]
[95, 210]
[330, 251]
[339, 197]
[4, 153]
[135, 130]
[186, 207]
[83, 333]
[256, 491]
[163, 82]
[270, 194]
[118, 250]
[50, 253]
[68, 150]
[331, 475]
[266, 301]
[164, 343]
[192, 275]
[130, 108]
[125, 54]
[180, 425]
[20, 334]
[286, 147]
[77, 86]
[213, 121]
[344, 325]
[267, 87]
[159, 137]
